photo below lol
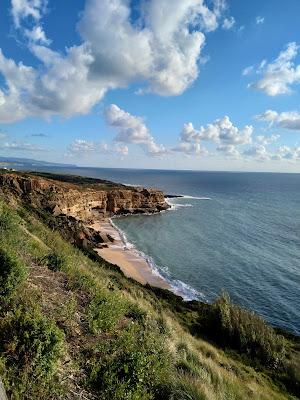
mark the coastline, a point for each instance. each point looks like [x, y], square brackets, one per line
[127, 258]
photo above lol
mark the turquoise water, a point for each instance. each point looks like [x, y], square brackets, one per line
[243, 237]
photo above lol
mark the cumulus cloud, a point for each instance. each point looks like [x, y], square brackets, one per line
[82, 146]
[257, 151]
[121, 149]
[279, 76]
[229, 150]
[190, 149]
[266, 140]
[161, 48]
[221, 131]
[132, 130]
[290, 153]
[287, 120]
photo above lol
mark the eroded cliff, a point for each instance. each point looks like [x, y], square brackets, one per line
[82, 201]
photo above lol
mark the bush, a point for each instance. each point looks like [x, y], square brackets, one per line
[232, 326]
[105, 311]
[134, 366]
[7, 219]
[55, 261]
[137, 313]
[12, 273]
[30, 346]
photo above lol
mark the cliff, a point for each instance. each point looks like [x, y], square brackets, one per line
[72, 203]
[83, 199]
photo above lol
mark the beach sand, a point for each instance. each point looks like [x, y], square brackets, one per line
[131, 263]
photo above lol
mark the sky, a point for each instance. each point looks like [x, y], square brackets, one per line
[172, 84]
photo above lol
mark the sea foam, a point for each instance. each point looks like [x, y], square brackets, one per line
[178, 287]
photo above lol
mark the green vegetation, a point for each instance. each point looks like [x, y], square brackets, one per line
[76, 327]
[12, 273]
[30, 345]
[132, 366]
[232, 326]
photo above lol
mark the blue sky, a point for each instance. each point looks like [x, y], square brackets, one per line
[205, 84]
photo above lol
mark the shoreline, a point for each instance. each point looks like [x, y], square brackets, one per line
[127, 258]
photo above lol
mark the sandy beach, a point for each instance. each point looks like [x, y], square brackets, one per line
[132, 264]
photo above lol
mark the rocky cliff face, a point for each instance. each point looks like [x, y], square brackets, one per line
[82, 202]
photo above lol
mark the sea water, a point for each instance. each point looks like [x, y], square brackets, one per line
[234, 231]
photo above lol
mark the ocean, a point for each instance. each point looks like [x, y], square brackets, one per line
[234, 231]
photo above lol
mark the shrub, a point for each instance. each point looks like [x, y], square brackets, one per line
[137, 313]
[55, 261]
[132, 367]
[30, 347]
[7, 219]
[105, 310]
[232, 326]
[12, 273]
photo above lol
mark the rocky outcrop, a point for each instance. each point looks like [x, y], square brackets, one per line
[83, 202]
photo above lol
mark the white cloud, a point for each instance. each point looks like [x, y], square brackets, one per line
[257, 151]
[37, 34]
[22, 146]
[288, 153]
[248, 70]
[81, 147]
[132, 130]
[288, 120]
[190, 149]
[26, 17]
[19, 80]
[229, 150]
[280, 75]
[161, 49]
[221, 131]
[22, 9]
[228, 23]
[259, 20]
[266, 140]
[122, 150]
[169, 48]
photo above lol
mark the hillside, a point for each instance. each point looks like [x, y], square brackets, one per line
[72, 326]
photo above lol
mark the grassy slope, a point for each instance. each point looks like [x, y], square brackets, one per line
[74, 328]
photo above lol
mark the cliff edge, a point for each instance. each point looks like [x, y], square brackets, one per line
[84, 199]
